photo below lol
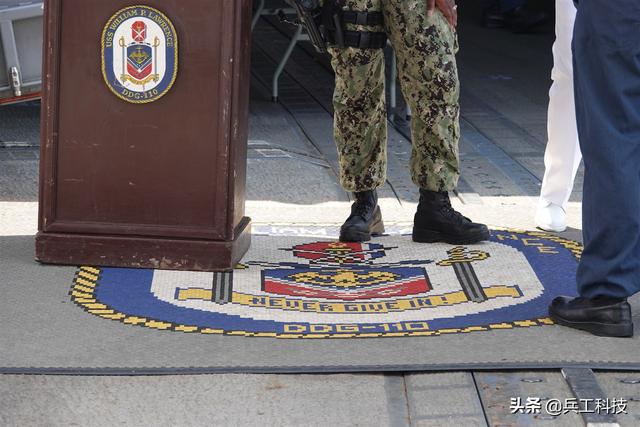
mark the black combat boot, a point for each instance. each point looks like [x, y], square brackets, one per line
[365, 219]
[437, 221]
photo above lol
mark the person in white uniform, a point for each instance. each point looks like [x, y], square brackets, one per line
[562, 156]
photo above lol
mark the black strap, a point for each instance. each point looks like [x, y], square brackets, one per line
[362, 18]
[365, 39]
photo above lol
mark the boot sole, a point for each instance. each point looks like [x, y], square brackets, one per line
[616, 330]
[350, 235]
[430, 236]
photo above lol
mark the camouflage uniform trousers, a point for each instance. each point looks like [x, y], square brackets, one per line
[425, 48]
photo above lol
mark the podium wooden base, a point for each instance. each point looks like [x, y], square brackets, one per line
[144, 252]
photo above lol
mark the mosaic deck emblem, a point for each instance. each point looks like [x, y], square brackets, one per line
[293, 287]
[139, 54]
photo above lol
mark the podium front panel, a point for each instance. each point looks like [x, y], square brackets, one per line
[173, 168]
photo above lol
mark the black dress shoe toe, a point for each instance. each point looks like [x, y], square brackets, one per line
[608, 317]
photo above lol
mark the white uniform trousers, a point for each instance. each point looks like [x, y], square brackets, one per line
[562, 155]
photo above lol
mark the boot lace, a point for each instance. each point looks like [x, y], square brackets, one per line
[447, 211]
[362, 207]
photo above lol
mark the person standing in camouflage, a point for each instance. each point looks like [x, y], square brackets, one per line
[422, 33]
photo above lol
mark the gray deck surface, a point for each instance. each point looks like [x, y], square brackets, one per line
[505, 81]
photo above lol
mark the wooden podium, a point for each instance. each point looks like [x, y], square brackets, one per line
[144, 133]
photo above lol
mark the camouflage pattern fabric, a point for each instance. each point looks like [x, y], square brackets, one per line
[425, 48]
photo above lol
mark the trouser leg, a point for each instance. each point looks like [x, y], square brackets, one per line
[562, 155]
[425, 47]
[607, 79]
[360, 118]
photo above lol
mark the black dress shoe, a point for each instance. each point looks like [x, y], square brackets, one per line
[437, 221]
[365, 219]
[606, 317]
